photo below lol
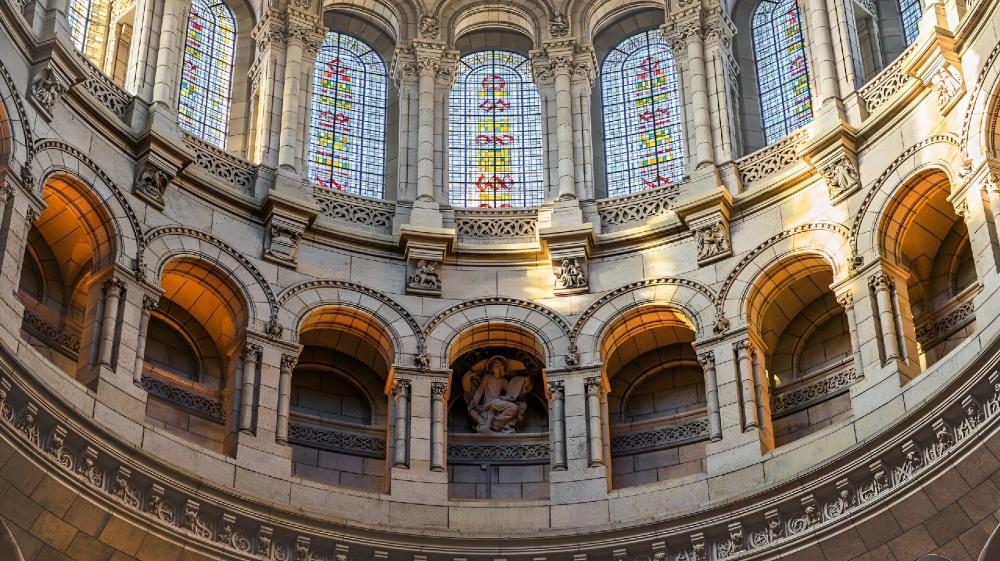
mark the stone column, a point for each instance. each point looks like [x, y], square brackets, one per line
[594, 387]
[142, 51]
[113, 290]
[722, 75]
[882, 284]
[583, 78]
[748, 392]
[822, 42]
[974, 203]
[169, 55]
[303, 35]
[687, 27]
[284, 397]
[148, 305]
[251, 361]
[401, 425]
[846, 300]
[557, 426]
[404, 71]
[439, 426]
[266, 75]
[427, 66]
[561, 66]
[707, 361]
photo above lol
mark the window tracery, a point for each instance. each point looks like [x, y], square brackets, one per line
[207, 71]
[495, 133]
[347, 127]
[782, 69]
[643, 131]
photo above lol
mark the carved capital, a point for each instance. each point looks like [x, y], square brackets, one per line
[557, 389]
[846, 300]
[707, 359]
[150, 303]
[881, 281]
[439, 390]
[594, 385]
[401, 388]
[743, 348]
[288, 362]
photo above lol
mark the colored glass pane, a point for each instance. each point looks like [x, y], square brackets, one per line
[347, 127]
[910, 12]
[782, 70]
[643, 134]
[207, 71]
[495, 133]
[88, 20]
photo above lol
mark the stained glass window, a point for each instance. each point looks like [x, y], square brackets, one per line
[347, 128]
[495, 133]
[643, 135]
[207, 72]
[909, 10]
[782, 71]
[88, 22]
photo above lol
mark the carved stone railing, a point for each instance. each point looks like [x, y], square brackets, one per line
[621, 213]
[816, 388]
[887, 83]
[352, 210]
[56, 336]
[337, 437]
[668, 434]
[499, 225]
[938, 326]
[492, 449]
[241, 174]
[104, 89]
[772, 159]
[193, 397]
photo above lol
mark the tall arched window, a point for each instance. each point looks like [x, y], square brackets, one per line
[495, 133]
[643, 134]
[88, 26]
[910, 12]
[347, 128]
[207, 72]
[782, 71]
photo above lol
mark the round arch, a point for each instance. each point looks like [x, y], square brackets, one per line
[20, 135]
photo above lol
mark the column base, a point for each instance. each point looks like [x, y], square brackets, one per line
[426, 214]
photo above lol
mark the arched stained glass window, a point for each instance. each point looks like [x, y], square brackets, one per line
[643, 134]
[782, 71]
[347, 128]
[495, 133]
[207, 72]
[910, 12]
[88, 26]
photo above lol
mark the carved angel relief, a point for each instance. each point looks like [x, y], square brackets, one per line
[496, 396]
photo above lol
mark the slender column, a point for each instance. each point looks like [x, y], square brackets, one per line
[141, 50]
[401, 452]
[427, 68]
[704, 152]
[847, 301]
[112, 296]
[404, 70]
[562, 66]
[267, 72]
[825, 63]
[744, 356]
[284, 397]
[882, 284]
[251, 357]
[298, 33]
[595, 434]
[557, 432]
[983, 237]
[168, 56]
[148, 305]
[439, 412]
[707, 361]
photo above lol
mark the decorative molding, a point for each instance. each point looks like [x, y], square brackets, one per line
[500, 453]
[625, 212]
[660, 437]
[104, 89]
[813, 390]
[713, 241]
[887, 83]
[441, 316]
[353, 210]
[497, 225]
[768, 161]
[938, 327]
[336, 439]
[240, 174]
[57, 336]
[201, 402]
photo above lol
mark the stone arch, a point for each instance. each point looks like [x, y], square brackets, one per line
[984, 108]
[441, 332]
[298, 301]
[8, 546]
[693, 300]
[526, 17]
[166, 243]
[829, 240]
[940, 151]
[397, 19]
[21, 139]
[589, 17]
[52, 158]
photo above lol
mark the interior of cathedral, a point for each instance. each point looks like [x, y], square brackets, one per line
[472, 280]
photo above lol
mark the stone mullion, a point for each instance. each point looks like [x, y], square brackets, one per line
[139, 76]
[313, 45]
[169, 55]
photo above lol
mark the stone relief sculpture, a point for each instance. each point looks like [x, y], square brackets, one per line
[712, 240]
[496, 396]
[426, 276]
[570, 274]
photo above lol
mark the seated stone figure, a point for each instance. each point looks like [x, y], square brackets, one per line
[495, 398]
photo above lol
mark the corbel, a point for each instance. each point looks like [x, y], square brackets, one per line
[569, 249]
[424, 249]
[708, 219]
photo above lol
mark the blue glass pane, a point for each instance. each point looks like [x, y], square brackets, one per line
[782, 71]
[495, 133]
[909, 10]
[643, 131]
[347, 127]
[207, 71]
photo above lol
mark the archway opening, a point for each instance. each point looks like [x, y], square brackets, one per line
[657, 407]
[338, 410]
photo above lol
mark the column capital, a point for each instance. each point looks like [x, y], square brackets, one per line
[270, 31]
[881, 280]
[707, 359]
